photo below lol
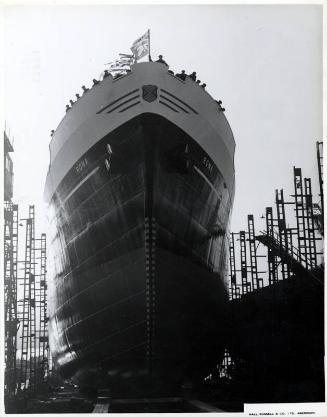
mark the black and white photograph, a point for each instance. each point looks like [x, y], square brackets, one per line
[163, 227]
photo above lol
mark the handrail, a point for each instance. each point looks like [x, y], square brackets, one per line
[295, 251]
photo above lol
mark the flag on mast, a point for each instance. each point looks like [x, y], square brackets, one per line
[141, 46]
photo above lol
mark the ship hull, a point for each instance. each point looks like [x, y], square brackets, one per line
[139, 231]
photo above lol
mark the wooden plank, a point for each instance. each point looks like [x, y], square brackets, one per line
[205, 407]
[101, 408]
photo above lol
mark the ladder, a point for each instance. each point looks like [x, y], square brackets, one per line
[281, 219]
[253, 253]
[43, 335]
[32, 303]
[246, 286]
[25, 313]
[300, 213]
[272, 260]
[232, 267]
[320, 175]
[10, 289]
[312, 249]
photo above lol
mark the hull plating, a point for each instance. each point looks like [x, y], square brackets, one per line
[139, 230]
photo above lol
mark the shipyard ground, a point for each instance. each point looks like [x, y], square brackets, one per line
[219, 396]
[276, 344]
[69, 400]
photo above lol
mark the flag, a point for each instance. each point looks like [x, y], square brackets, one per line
[121, 60]
[120, 64]
[125, 61]
[141, 46]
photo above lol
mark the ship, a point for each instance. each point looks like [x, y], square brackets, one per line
[140, 190]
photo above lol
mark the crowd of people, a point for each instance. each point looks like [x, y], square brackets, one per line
[182, 75]
[95, 82]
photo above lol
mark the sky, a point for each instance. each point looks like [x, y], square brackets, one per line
[264, 62]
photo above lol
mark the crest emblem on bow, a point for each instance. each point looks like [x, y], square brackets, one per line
[149, 92]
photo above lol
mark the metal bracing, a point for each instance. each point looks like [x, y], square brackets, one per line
[300, 212]
[253, 253]
[272, 260]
